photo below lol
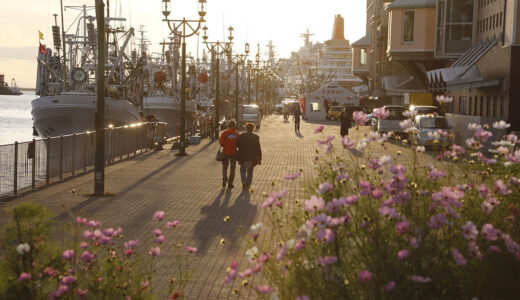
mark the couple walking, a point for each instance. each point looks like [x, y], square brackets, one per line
[244, 148]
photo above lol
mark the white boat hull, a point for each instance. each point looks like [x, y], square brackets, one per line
[75, 113]
[169, 111]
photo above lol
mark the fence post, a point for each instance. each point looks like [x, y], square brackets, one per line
[33, 175]
[48, 162]
[15, 175]
[73, 153]
[85, 152]
[61, 157]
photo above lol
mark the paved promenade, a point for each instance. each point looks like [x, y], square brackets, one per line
[189, 189]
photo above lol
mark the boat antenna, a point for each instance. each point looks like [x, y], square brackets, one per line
[64, 49]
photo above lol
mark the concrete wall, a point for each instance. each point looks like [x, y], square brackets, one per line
[460, 128]
[424, 30]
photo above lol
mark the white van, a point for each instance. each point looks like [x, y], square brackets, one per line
[250, 114]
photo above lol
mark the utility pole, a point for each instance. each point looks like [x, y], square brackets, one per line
[99, 166]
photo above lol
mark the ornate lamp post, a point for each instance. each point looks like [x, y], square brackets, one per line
[249, 82]
[217, 48]
[193, 26]
[238, 59]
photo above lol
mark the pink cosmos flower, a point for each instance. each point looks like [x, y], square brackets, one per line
[473, 247]
[281, 254]
[264, 289]
[302, 297]
[512, 246]
[495, 249]
[191, 249]
[87, 234]
[97, 234]
[405, 124]
[82, 294]
[108, 232]
[360, 117]
[487, 207]
[327, 260]
[414, 243]
[232, 273]
[87, 257]
[300, 244]
[128, 252]
[347, 143]
[334, 205]
[131, 243]
[390, 286]
[67, 280]
[68, 254]
[325, 235]
[437, 221]
[402, 226]
[245, 273]
[24, 276]
[489, 232]
[388, 211]
[377, 193]
[62, 289]
[105, 240]
[319, 129]
[314, 204]
[403, 254]
[502, 187]
[173, 224]
[118, 231]
[157, 232]
[381, 113]
[159, 215]
[470, 231]
[417, 278]
[81, 221]
[444, 99]
[325, 188]
[83, 245]
[337, 221]
[459, 259]
[292, 176]
[93, 223]
[365, 276]
[156, 251]
[160, 239]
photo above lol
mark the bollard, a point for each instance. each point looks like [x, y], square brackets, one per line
[73, 154]
[61, 158]
[48, 162]
[15, 175]
[33, 175]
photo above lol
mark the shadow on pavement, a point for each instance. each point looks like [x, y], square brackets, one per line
[212, 225]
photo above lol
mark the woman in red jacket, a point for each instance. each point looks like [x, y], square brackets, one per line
[227, 141]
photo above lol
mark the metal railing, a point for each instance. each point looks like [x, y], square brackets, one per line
[28, 165]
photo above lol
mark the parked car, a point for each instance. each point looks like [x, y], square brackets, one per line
[391, 123]
[426, 110]
[431, 131]
[334, 112]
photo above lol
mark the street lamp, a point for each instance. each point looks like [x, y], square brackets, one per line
[193, 26]
[238, 60]
[217, 48]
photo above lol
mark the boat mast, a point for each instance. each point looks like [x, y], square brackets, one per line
[64, 49]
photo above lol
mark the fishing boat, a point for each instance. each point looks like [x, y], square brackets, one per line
[5, 89]
[66, 79]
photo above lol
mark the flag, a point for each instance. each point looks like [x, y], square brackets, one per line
[43, 50]
[40, 34]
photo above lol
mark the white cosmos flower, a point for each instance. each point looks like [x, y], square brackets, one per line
[23, 248]
[420, 149]
[252, 252]
[501, 125]
[256, 227]
[291, 243]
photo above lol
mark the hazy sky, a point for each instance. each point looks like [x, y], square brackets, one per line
[254, 21]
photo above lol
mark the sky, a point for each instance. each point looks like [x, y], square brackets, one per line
[282, 21]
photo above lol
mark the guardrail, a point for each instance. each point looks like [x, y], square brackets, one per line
[29, 165]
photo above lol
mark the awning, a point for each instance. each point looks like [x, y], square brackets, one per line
[464, 69]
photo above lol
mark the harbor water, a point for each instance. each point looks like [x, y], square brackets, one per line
[15, 118]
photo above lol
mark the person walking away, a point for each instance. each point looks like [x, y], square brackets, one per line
[249, 155]
[228, 140]
[296, 116]
[285, 114]
[346, 121]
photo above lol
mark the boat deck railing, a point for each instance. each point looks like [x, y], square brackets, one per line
[37, 163]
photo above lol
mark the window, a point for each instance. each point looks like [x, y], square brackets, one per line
[462, 105]
[502, 107]
[495, 104]
[315, 106]
[408, 26]
[363, 57]
[454, 26]
[475, 106]
[488, 106]
[470, 105]
[481, 111]
[434, 123]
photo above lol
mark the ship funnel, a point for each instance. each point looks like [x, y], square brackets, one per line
[339, 28]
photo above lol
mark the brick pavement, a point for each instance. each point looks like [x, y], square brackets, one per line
[189, 189]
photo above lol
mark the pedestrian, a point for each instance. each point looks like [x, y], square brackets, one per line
[228, 140]
[346, 120]
[296, 116]
[249, 155]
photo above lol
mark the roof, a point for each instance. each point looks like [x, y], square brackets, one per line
[364, 41]
[412, 3]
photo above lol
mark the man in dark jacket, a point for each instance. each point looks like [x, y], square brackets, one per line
[296, 116]
[228, 140]
[249, 154]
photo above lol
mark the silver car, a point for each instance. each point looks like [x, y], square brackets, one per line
[431, 131]
[391, 123]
